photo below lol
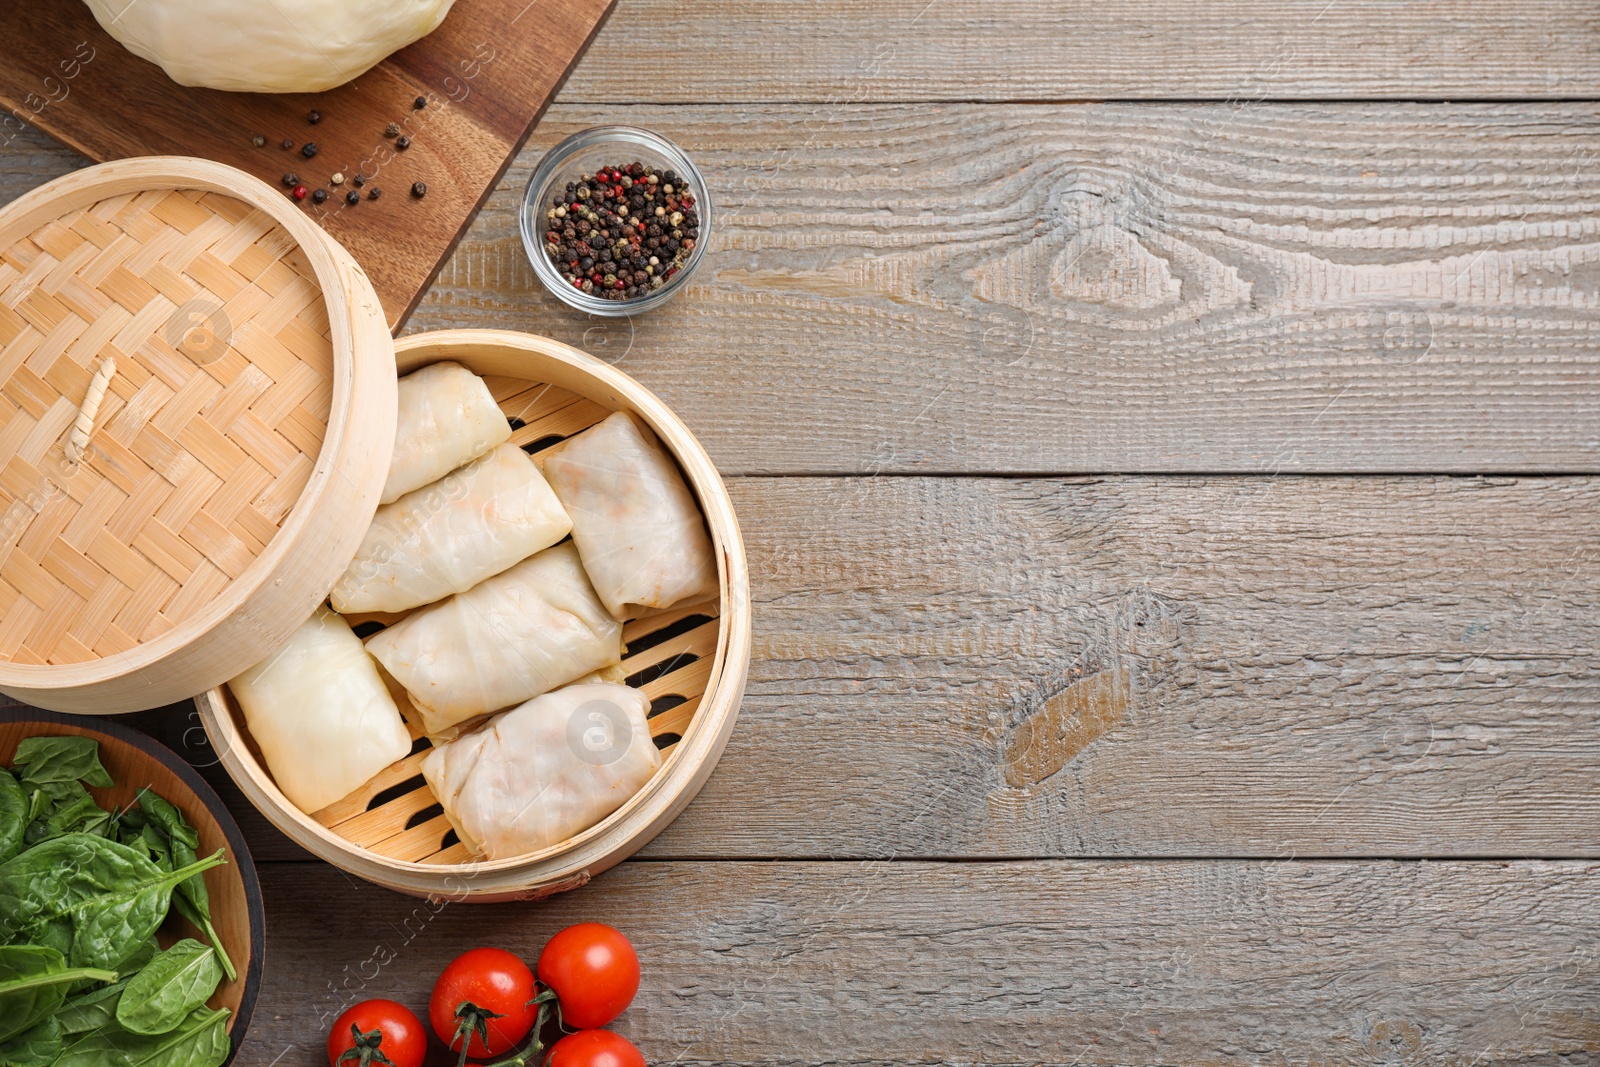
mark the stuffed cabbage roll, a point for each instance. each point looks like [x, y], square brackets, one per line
[447, 418]
[511, 637]
[320, 714]
[447, 537]
[642, 537]
[540, 773]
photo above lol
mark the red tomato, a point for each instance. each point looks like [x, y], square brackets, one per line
[595, 1048]
[381, 1026]
[593, 970]
[485, 991]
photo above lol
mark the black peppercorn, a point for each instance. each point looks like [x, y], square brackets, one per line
[604, 233]
[308, 149]
[403, 143]
[374, 193]
[419, 103]
[286, 144]
[419, 189]
[352, 198]
[392, 130]
[359, 180]
[314, 117]
[290, 180]
[319, 196]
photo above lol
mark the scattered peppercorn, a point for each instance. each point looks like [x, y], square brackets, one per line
[392, 130]
[419, 189]
[314, 118]
[258, 140]
[419, 103]
[319, 196]
[622, 231]
[359, 180]
[352, 198]
[286, 144]
[374, 193]
[403, 143]
[337, 179]
[308, 149]
[290, 180]
[299, 192]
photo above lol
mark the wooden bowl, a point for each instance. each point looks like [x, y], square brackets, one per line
[237, 453]
[136, 761]
[691, 660]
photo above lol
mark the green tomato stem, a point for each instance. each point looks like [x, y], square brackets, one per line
[546, 1001]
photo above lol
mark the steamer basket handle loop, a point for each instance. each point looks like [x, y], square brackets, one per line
[83, 426]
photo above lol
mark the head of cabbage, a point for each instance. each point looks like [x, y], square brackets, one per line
[267, 46]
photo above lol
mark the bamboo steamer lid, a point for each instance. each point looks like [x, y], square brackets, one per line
[197, 411]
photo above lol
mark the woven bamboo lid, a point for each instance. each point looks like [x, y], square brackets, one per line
[197, 407]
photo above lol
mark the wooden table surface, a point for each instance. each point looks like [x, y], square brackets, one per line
[1166, 437]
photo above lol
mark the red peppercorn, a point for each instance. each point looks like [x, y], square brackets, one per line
[299, 192]
[577, 283]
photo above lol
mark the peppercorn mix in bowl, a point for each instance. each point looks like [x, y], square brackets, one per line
[615, 219]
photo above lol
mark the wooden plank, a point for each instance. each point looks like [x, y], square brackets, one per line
[486, 79]
[1201, 962]
[1314, 667]
[1047, 289]
[1318, 667]
[1104, 288]
[839, 52]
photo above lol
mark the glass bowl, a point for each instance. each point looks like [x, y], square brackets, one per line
[584, 153]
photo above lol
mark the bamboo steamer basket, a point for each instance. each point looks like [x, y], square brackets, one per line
[232, 461]
[690, 660]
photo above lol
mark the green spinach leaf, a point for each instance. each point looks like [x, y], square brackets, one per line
[201, 1040]
[59, 808]
[79, 816]
[35, 1047]
[41, 803]
[142, 954]
[113, 896]
[175, 983]
[56, 934]
[151, 843]
[191, 899]
[86, 1011]
[167, 816]
[14, 818]
[34, 981]
[61, 759]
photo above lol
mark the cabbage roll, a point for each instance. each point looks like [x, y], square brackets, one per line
[449, 536]
[635, 522]
[320, 714]
[511, 637]
[540, 773]
[447, 418]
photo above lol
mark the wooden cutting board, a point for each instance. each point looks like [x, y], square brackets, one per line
[487, 74]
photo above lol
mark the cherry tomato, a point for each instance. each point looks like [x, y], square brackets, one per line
[595, 1048]
[381, 1026]
[483, 993]
[593, 970]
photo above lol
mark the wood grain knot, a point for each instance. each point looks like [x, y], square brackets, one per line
[1066, 724]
